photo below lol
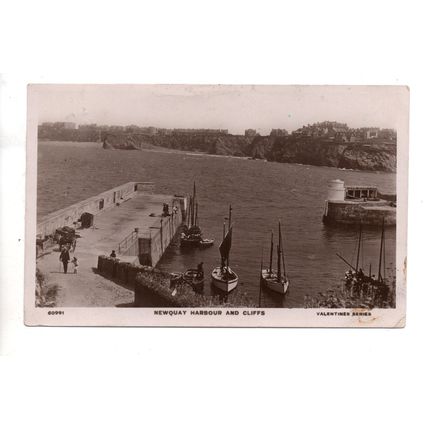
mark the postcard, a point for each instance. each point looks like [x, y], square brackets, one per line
[216, 205]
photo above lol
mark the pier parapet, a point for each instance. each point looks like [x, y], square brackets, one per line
[93, 205]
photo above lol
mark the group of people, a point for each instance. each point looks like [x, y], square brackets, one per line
[165, 210]
[65, 258]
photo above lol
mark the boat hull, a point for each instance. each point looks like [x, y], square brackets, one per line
[223, 282]
[270, 280]
[205, 243]
[187, 241]
[194, 278]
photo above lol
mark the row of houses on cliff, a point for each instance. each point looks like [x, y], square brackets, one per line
[337, 131]
[327, 130]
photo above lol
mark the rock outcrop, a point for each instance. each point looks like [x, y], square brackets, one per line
[370, 156]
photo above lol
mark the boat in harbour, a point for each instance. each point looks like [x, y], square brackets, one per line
[371, 291]
[276, 280]
[191, 235]
[223, 277]
[195, 278]
[205, 243]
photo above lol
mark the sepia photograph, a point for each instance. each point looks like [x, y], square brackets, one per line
[216, 205]
[213, 212]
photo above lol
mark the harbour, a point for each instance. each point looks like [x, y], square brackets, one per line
[261, 194]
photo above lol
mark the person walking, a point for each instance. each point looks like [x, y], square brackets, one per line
[65, 258]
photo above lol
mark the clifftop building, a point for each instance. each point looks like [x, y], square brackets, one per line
[340, 132]
[278, 133]
[250, 133]
[189, 131]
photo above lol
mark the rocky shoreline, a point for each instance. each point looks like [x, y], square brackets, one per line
[370, 156]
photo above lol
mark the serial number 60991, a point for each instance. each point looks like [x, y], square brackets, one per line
[55, 312]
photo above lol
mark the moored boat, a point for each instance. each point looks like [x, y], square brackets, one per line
[223, 277]
[270, 280]
[195, 278]
[191, 235]
[204, 243]
[276, 280]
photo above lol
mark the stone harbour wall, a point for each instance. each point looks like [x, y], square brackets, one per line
[93, 205]
[354, 213]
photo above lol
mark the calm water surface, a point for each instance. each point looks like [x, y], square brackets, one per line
[261, 193]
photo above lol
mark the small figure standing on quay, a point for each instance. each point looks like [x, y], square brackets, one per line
[65, 258]
[165, 211]
[75, 264]
[201, 270]
[113, 254]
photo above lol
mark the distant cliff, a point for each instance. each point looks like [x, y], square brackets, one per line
[371, 156]
[226, 145]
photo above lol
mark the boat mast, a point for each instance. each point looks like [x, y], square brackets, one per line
[196, 215]
[260, 282]
[224, 234]
[193, 204]
[384, 257]
[283, 257]
[228, 231]
[278, 274]
[359, 246]
[271, 251]
[379, 275]
[191, 212]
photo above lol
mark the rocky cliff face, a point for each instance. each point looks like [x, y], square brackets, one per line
[371, 156]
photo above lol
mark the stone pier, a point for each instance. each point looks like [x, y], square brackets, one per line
[132, 225]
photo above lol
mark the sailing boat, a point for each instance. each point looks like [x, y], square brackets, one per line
[276, 280]
[380, 278]
[375, 291]
[223, 276]
[356, 272]
[192, 234]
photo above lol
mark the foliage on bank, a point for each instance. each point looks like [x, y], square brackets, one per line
[45, 293]
[365, 295]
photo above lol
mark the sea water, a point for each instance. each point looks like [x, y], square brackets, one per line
[261, 193]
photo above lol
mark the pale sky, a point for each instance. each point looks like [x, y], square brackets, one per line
[233, 107]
